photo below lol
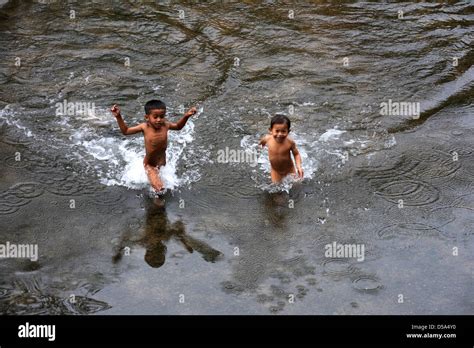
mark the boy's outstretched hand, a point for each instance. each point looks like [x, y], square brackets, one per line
[115, 110]
[190, 112]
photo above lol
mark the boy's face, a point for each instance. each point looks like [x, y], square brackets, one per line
[279, 131]
[156, 118]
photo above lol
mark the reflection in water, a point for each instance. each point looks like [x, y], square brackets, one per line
[276, 209]
[158, 231]
[262, 243]
[279, 205]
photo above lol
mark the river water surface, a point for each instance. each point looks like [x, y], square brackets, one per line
[229, 242]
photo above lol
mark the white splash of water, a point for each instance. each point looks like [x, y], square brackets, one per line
[124, 157]
[7, 115]
[331, 134]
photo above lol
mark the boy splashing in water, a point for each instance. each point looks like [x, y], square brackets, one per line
[155, 132]
[279, 148]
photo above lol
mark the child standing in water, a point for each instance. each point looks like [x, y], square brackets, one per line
[155, 132]
[279, 148]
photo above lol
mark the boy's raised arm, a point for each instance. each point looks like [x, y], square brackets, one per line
[182, 122]
[123, 127]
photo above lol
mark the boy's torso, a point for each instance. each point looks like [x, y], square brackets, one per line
[279, 155]
[156, 142]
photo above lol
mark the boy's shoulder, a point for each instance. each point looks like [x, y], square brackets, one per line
[144, 126]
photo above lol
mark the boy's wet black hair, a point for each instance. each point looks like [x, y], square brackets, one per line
[280, 119]
[154, 104]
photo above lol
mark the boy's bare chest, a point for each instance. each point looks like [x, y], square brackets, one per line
[156, 139]
[276, 149]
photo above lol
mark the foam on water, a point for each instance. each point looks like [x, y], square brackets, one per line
[331, 134]
[124, 158]
[7, 114]
[330, 151]
[116, 160]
